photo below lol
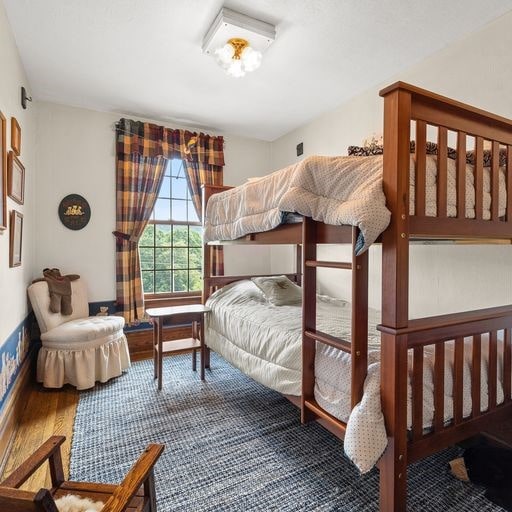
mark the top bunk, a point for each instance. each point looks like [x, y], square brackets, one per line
[445, 169]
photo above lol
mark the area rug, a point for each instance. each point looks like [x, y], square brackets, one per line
[234, 445]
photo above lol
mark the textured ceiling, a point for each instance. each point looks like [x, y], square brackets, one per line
[143, 57]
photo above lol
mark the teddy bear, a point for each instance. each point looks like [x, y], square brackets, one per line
[59, 287]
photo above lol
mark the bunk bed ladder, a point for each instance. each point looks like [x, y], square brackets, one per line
[310, 410]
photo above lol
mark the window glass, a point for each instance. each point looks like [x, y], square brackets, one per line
[171, 247]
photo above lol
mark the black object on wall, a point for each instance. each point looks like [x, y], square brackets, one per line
[24, 98]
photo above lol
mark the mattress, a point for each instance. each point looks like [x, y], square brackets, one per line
[265, 342]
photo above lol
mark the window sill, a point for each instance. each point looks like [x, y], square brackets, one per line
[152, 301]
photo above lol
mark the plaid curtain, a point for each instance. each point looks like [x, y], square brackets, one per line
[138, 181]
[142, 150]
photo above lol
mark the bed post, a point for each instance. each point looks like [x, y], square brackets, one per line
[395, 297]
[359, 359]
[298, 264]
[308, 315]
[206, 192]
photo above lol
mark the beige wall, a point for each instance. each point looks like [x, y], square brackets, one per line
[76, 154]
[13, 281]
[476, 70]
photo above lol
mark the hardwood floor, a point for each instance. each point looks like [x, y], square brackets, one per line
[47, 412]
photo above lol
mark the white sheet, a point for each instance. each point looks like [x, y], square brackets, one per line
[264, 341]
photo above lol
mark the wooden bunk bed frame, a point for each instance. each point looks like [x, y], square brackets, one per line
[400, 336]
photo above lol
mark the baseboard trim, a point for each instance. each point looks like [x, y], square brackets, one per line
[13, 409]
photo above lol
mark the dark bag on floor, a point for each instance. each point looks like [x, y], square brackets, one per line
[491, 467]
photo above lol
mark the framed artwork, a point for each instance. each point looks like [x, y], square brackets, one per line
[15, 136]
[3, 172]
[15, 178]
[15, 241]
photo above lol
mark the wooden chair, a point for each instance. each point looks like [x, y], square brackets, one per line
[135, 493]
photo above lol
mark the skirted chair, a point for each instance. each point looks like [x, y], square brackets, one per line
[77, 349]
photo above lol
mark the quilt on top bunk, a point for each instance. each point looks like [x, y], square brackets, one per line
[264, 342]
[334, 190]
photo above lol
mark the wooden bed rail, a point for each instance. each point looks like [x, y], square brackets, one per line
[468, 361]
[472, 215]
[422, 331]
[470, 128]
[474, 340]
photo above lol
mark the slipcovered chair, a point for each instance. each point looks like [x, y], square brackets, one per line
[77, 349]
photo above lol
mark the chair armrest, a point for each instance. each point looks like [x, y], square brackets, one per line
[132, 482]
[16, 499]
[48, 450]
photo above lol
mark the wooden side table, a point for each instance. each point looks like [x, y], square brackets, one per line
[178, 315]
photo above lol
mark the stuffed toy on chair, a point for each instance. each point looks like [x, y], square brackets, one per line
[71, 503]
[60, 290]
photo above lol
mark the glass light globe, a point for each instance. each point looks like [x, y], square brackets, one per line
[224, 55]
[235, 69]
[251, 59]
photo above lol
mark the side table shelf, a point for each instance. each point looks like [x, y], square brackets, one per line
[194, 313]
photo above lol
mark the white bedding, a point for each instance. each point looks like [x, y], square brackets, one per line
[335, 190]
[264, 342]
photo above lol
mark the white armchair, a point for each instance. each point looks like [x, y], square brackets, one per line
[77, 349]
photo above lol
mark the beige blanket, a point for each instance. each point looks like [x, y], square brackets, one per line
[334, 190]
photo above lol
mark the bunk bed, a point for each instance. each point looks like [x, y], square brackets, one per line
[478, 344]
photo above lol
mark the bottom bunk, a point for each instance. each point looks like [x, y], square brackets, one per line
[265, 342]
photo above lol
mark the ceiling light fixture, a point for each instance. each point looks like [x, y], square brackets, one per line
[238, 41]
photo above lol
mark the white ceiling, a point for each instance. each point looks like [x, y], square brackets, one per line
[143, 57]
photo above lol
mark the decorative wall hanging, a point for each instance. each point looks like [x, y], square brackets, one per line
[15, 136]
[3, 172]
[15, 178]
[16, 237]
[74, 212]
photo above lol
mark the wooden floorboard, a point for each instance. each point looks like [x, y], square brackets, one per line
[47, 412]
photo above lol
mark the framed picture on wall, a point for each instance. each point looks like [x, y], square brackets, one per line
[3, 172]
[15, 136]
[15, 178]
[16, 237]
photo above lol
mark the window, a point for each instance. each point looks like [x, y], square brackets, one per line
[171, 246]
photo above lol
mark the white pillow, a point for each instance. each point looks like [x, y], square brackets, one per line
[279, 290]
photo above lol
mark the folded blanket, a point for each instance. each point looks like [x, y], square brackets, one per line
[340, 190]
[335, 190]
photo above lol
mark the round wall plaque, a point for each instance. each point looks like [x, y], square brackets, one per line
[74, 212]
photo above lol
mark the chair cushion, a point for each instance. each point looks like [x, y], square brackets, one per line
[74, 334]
[40, 299]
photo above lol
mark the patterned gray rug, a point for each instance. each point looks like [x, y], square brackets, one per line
[234, 445]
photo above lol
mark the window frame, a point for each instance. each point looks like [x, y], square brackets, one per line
[163, 299]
